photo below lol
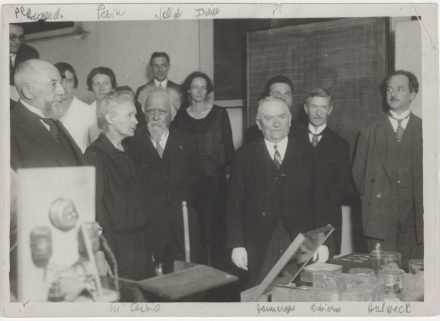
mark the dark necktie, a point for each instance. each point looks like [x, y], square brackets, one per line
[159, 148]
[53, 129]
[315, 139]
[399, 130]
[277, 157]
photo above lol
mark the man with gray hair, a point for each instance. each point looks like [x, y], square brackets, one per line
[270, 193]
[38, 139]
[166, 161]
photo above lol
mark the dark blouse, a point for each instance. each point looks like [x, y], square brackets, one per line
[214, 139]
[118, 197]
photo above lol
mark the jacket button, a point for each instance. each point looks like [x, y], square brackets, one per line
[265, 214]
[379, 195]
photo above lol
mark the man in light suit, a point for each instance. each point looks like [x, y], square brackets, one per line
[160, 66]
[388, 172]
[330, 155]
[270, 194]
[38, 139]
[166, 161]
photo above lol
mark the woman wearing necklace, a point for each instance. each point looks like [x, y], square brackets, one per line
[211, 127]
[119, 206]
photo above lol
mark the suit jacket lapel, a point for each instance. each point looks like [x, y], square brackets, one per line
[172, 154]
[36, 131]
[381, 143]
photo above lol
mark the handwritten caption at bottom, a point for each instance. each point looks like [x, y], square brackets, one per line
[279, 308]
[133, 307]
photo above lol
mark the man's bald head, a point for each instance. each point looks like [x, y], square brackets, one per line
[39, 84]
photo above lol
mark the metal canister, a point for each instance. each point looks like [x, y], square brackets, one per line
[41, 245]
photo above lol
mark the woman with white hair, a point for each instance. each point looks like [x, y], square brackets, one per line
[119, 206]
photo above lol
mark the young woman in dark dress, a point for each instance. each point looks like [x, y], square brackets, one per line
[119, 206]
[210, 125]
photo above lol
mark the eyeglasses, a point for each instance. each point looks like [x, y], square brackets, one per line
[13, 37]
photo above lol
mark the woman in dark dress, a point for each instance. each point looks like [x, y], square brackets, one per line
[119, 206]
[210, 125]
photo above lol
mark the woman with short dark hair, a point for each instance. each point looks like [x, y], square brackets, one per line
[211, 126]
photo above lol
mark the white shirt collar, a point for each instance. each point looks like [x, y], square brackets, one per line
[393, 117]
[281, 146]
[401, 116]
[162, 84]
[317, 130]
[163, 139]
[33, 109]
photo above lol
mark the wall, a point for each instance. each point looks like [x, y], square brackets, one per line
[126, 47]
[408, 49]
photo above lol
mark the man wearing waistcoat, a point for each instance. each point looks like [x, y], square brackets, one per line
[388, 172]
[270, 193]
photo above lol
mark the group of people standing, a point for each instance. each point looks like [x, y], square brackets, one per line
[169, 145]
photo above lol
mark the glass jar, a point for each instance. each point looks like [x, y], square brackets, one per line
[393, 284]
[391, 260]
[377, 259]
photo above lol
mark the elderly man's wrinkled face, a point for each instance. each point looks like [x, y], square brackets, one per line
[16, 38]
[47, 90]
[274, 120]
[158, 114]
[318, 109]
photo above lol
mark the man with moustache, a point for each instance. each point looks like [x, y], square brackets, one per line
[38, 139]
[330, 155]
[281, 87]
[165, 159]
[388, 172]
[270, 193]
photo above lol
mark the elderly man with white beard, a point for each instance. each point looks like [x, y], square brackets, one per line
[165, 159]
[38, 139]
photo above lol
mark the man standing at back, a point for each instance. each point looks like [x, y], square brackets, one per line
[38, 139]
[281, 87]
[160, 66]
[18, 50]
[330, 155]
[388, 172]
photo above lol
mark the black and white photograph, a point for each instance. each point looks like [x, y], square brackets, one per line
[220, 160]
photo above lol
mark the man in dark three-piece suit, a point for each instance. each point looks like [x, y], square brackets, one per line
[388, 172]
[159, 65]
[165, 159]
[18, 50]
[330, 155]
[270, 193]
[38, 139]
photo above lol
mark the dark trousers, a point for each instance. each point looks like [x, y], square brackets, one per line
[401, 235]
